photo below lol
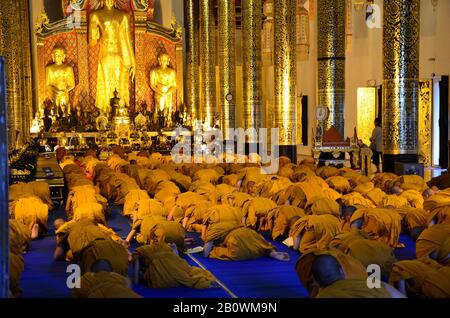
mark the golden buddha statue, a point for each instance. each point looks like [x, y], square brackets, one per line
[163, 81]
[111, 28]
[60, 80]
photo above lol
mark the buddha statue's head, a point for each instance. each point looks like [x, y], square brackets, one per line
[109, 4]
[58, 56]
[164, 60]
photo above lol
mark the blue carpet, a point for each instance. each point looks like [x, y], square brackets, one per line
[260, 278]
[409, 251]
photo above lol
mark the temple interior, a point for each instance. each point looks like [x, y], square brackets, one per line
[224, 149]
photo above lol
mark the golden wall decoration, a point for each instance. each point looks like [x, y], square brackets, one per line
[208, 62]
[192, 57]
[286, 71]
[227, 65]
[302, 31]
[252, 62]
[149, 39]
[425, 120]
[366, 107]
[15, 47]
[331, 61]
[401, 37]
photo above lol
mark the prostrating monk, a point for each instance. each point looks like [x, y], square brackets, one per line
[434, 243]
[352, 268]
[152, 178]
[411, 182]
[280, 218]
[203, 188]
[19, 237]
[414, 221]
[384, 181]
[226, 240]
[85, 195]
[414, 197]
[272, 187]
[116, 163]
[238, 199]
[327, 171]
[168, 186]
[438, 206]
[314, 232]
[160, 267]
[102, 282]
[32, 212]
[394, 201]
[105, 179]
[255, 212]
[425, 278]
[381, 224]
[16, 267]
[123, 185]
[92, 211]
[439, 215]
[156, 228]
[375, 195]
[330, 277]
[251, 177]
[206, 176]
[35, 188]
[73, 237]
[442, 182]
[370, 252]
[115, 253]
[322, 205]
[298, 194]
[133, 200]
[193, 217]
[338, 183]
[221, 193]
[349, 204]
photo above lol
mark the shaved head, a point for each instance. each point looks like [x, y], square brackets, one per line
[326, 270]
[101, 265]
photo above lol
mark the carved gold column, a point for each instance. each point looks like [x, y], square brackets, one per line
[425, 121]
[286, 76]
[227, 65]
[208, 62]
[331, 60]
[16, 49]
[252, 63]
[401, 36]
[192, 57]
[267, 34]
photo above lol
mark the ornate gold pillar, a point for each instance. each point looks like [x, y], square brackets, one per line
[252, 63]
[331, 61]
[267, 34]
[227, 65]
[425, 121]
[401, 36]
[192, 58]
[208, 62]
[286, 76]
[15, 46]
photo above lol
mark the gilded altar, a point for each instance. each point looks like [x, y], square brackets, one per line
[148, 40]
[332, 142]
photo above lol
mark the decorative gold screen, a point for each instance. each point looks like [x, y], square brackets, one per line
[425, 118]
[366, 106]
